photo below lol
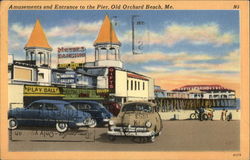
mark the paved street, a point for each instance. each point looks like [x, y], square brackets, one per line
[189, 135]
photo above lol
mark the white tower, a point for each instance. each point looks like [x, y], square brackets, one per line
[107, 46]
[38, 48]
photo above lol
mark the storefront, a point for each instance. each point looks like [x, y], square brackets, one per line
[85, 94]
[33, 93]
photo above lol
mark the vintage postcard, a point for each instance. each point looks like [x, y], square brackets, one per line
[124, 80]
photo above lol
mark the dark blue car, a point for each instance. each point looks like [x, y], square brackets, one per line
[59, 114]
[100, 115]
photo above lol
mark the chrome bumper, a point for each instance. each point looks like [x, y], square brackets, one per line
[106, 120]
[85, 123]
[130, 131]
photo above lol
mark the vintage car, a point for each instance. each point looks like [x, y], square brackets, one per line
[136, 119]
[112, 107]
[59, 114]
[100, 115]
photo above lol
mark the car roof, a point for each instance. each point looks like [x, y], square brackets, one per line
[92, 102]
[51, 101]
[141, 102]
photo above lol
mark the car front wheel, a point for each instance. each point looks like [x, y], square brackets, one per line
[61, 127]
[94, 123]
[12, 123]
[151, 138]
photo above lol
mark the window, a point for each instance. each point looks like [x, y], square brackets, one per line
[50, 106]
[135, 85]
[138, 85]
[69, 107]
[131, 85]
[82, 106]
[36, 106]
[41, 75]
[137, 107]
[127, 84]
[143, 85]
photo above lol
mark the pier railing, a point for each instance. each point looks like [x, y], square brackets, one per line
[172, 104]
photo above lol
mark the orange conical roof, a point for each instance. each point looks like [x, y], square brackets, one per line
[38, 37]
[107, 33]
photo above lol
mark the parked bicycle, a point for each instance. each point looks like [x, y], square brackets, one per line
[207, 114]
[195, 115]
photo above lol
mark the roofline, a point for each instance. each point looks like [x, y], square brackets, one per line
[105, 43]
[50, 49]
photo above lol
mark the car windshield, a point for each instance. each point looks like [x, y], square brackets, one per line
[137, 107]
[102, 108]
[69, 107]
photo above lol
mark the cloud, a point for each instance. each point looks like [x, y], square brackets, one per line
[20, 30]
[68, 30]
[72, 43]
[194, 34]
[231, 64]
[160, 56]
[82, 28]
[156, 68]
[197, 34]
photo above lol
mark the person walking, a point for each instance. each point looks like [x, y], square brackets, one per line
[222, 115]
[229, 117]
[201, 111]
[225, 115]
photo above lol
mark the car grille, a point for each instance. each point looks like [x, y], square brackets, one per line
[129, 129]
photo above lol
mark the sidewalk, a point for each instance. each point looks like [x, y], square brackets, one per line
[185, 114]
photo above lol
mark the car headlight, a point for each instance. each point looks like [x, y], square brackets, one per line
[111, 123]
[148, 124]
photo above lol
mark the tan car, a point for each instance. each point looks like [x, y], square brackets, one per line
[136, 119]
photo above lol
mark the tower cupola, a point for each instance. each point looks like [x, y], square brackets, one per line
[107, 46]
[37, 48]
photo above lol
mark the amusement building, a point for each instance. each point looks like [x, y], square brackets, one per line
[104, 79]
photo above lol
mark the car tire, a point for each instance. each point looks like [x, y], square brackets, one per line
[151, 139]
[12, 123]
[158, 134]
[94, 124]
[61, 127]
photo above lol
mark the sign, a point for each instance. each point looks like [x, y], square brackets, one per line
[71, 55]
[68, 78]
[70, 65]
[102, 90]
[80, 93]
[41, 91]
[111, 79]
[71, 52]
[72, 49]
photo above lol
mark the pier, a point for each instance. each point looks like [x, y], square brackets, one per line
[172, 104]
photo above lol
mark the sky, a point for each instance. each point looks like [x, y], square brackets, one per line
[177, 47]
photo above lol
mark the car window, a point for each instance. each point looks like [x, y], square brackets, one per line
[75, 104]
[36, 106]
[69, 107]
[129, 107]
[82, 106]
[49, 106]
[137, 107]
